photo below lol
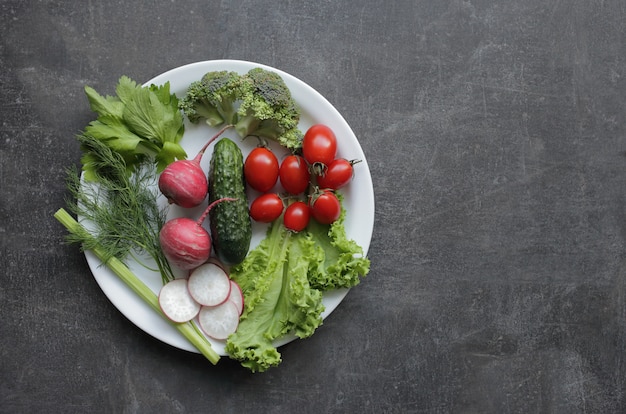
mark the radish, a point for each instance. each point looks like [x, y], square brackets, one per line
[209, 285]
[183, 182]
[220, 321]
[236, 296]
[185, 243]
[217, 262]
[176, 302]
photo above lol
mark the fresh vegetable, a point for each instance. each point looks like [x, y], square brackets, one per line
[319, 146]
[325, 207]
[236, 296]
[213, 98]
[138, 123]
[231, 226]
[283, 279]
[340, 262]
[176, 302]
[257, 103]
[188, 330]
[268, 110]
[217, 262]
[261, 169]
[296, 216]
[209, 285]
[294, 174]
[220, 321]
[338, 174]
[209, 294]
[278, 299]
[122, 210]
[266, 208]
[183, 182]
[185, 243]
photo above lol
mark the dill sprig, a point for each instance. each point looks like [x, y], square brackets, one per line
[119, 211]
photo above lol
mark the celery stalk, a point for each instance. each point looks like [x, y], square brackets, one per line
[123, 272]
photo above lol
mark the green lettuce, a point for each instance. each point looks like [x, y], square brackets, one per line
[339, 262]
[283, 279]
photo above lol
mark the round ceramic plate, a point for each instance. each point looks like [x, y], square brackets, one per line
[358, 195]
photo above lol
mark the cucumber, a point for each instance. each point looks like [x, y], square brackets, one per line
[231, 226]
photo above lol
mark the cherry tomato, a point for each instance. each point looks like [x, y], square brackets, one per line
[266, 208]
[296, 216]
[319, 145]
[261, 169]
[338, 174]
[294, 174]
[325, 206]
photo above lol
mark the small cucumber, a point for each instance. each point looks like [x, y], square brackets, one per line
[231, 227]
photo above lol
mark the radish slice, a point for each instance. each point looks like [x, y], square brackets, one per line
[236, 295]
[217, 262]
[209, 285]
[219, 322]
[176, 302]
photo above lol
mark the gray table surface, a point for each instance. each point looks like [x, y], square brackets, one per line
[495, 133]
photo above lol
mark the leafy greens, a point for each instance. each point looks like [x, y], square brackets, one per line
[138, 123]
[283, 279]
[122, 211]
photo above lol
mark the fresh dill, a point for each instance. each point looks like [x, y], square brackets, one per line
[120, 211]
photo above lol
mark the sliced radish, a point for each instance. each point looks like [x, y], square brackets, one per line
[219, 321]
[176, 302]
[236, 295]
[217, 262]
[209, 285]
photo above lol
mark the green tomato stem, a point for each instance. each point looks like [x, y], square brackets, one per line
[144, 292]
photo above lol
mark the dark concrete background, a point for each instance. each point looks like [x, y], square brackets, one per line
[495, 133]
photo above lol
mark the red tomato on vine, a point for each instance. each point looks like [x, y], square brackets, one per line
[319, 145]
[266, 208]
[337, 174]
[325, 206]
[297, 216]
[294, 174]
[261, 169]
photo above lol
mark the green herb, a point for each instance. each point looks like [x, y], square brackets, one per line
[188, 330]
[121, 210]
[139, 123]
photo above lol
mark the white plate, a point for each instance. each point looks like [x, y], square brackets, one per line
[358, 195]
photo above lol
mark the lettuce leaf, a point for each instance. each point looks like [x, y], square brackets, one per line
[341, 263]
[260, 277]
[283, 280]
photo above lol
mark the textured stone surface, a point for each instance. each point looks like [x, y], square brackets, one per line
[495, 132]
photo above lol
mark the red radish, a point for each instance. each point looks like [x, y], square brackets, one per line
[209, 285]
[176, 302]
[185, 243]
[184, 182]
[236, 296]
[220, 321]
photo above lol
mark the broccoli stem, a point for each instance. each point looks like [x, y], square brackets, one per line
[247, 125]
[211, 114]
[144, 292]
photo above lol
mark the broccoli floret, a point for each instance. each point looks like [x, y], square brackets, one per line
[213, 98]
[268, 110]
[257, 103]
